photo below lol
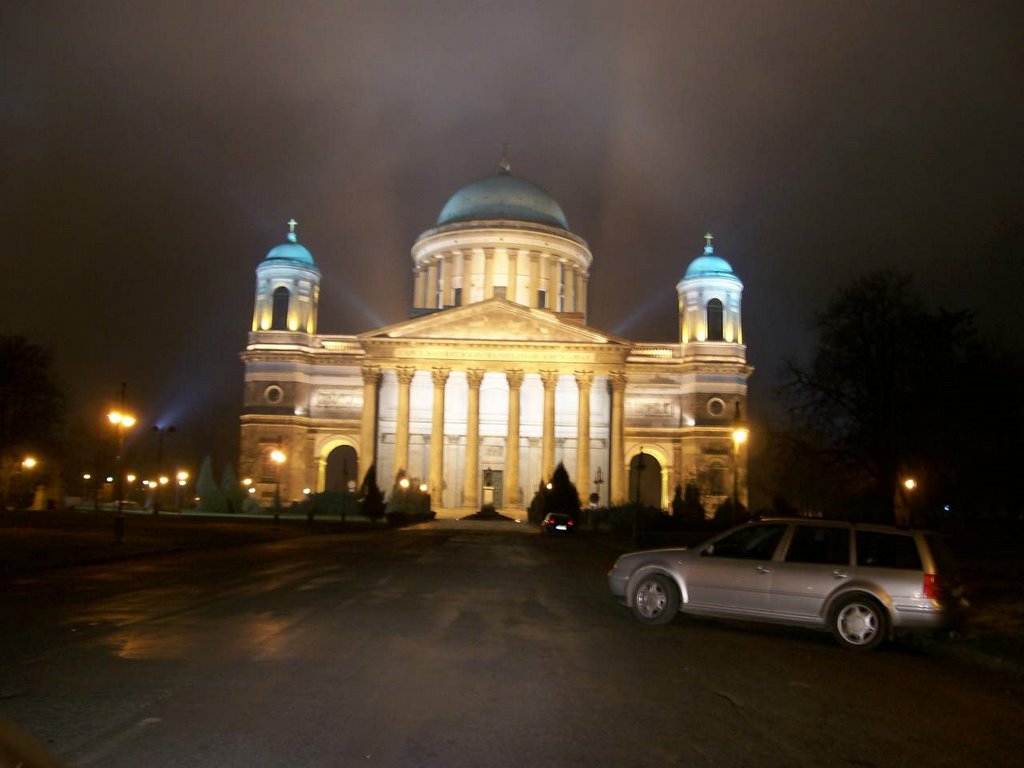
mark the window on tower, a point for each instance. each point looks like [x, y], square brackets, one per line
[279, 319]
[715, 321]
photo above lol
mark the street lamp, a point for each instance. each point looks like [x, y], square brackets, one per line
[121, 422]
[278, 457]
[182, 477]
[739, 437]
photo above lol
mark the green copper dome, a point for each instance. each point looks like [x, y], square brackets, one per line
[292, 250]
[503, 197]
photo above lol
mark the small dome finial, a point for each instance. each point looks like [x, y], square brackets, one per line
[292, 224]
[504, 166]
[708, 248]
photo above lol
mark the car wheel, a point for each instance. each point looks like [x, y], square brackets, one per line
[655, 600]
[859, 622]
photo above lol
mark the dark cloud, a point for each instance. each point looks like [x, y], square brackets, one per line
[152, 153]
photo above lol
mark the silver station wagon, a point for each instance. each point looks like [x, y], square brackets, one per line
[861, 582]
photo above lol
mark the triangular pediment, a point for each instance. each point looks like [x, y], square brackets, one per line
[493, 320]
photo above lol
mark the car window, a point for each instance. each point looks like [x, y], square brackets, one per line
[887, 550]
[819, 544]
[757, 542]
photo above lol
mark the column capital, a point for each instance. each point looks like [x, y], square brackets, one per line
[371, 374]
[584, 379]
[474, 376]
[549, 378]
[515, 377]
[439, 375]
[618, 380]
[405, 373]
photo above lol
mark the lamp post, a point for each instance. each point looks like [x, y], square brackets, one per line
[160, 434]
[278, 457]
[121, 422]
[739, 437]
[182, 481]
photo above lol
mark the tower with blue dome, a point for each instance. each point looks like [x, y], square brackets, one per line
[287, 288]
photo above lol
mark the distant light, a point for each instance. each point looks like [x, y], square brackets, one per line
[182, 477]
[87, 476]
[130, 478]
[277, 456]
[181, 482]
[910, 484]
[549, 486]
[251, 490]
[29, 462]
[247, 482]
[404, 483]
[306, 491]
[740, 435]
[110, 479]
[164, 480]
[423, 487]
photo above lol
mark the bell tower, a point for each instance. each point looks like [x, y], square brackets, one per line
[287, 288]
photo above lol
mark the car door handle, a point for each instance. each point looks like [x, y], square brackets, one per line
[762, 569]
[840, 574]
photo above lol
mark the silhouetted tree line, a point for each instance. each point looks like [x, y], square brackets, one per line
[894, 391]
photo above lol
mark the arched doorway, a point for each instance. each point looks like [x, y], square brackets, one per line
[645, 480]
[342, 469]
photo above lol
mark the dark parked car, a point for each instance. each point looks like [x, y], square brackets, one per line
[861, 582]
[558, 522]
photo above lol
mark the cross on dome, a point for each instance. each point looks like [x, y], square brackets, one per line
[292, 224]
[504, 166]
[708, 237]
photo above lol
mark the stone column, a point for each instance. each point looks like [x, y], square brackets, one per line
[570, 288]
[419, 279]
[547, 451]
[488, 273]
[531, 297]
[584, 380]
[474, 376]
[467, 277]
[405, 375]
[513, 275]
[617, 491]
[515, 384]
[444, 271]
[439, 376]
[431, 302]
[554, 286]
[368, 427]
[582, 304]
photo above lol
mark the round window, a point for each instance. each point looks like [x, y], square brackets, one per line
[273, 394]
[716, 406]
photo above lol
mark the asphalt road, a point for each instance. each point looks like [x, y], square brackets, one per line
[480, 645]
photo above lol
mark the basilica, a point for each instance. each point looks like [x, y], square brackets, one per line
[495, 377]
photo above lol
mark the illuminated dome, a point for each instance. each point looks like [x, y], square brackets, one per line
[292, 251]
[503, 197]
[708, 265]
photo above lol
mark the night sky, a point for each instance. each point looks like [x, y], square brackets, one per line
[152, 153]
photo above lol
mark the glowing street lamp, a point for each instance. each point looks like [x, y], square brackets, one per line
[29, 462]
[278, 457]
[739, 437]
[121, 422]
